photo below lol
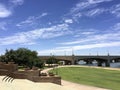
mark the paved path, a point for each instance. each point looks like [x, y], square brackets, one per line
[24, 84]
[75, 86]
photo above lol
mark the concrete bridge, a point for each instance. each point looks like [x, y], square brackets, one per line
[88, 59]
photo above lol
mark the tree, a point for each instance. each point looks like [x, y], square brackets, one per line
[2, 58]
[22, 56]
[10, 55]
[52, 60]
[39, 63]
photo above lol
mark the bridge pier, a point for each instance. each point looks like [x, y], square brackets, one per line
[73, 62]
[88, 62]
[107, 64]
[99, 63]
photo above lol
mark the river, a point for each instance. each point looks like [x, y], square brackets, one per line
[113, 65]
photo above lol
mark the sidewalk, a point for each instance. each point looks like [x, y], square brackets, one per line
[24, 84]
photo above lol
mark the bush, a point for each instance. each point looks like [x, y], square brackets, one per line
[51, 74]
[43, 74]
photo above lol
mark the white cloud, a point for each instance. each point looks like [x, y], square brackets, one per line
[84, 32]
[92, 37]
[4, 12]
[88, 33]
[115, 10]
[43, 14]
[76, 11]
[98, 1]
[95, 12]
[68, 21]
[117, 27]
[17, 2]
[3, 25]
[87, 6]
[30, 36]
[31, 20]
[98, 45]
[79, 47]
[77, 15]
[79, 6]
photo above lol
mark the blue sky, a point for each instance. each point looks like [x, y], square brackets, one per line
[61, 26]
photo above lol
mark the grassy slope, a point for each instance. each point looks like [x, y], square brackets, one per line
[90, 76]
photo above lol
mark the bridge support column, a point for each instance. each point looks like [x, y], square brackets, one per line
[88, 62]
[99, 63]
[73, 62]
[107, 63]
[115, 61]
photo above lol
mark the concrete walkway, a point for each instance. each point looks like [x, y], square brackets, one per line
[75, 86]
[24, 84]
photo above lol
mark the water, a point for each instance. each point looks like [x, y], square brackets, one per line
[113, 65]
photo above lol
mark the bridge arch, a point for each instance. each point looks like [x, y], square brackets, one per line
[65, 62]
[115, 59]
[89, 60]
[74, 58]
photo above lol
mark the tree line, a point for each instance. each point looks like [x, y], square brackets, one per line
[27, 58]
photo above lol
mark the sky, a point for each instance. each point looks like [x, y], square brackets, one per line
[61, 27]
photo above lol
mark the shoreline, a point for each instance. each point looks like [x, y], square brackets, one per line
[108, 68]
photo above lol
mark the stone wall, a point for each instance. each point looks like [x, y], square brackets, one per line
[4, 72]
[17, 75]
[52, 79]
[11, 70]
[10, 66]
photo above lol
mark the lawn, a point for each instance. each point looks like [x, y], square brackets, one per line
[109, 79]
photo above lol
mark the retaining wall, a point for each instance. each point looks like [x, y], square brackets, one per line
[11, 70]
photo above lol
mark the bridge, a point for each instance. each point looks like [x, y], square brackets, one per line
[100, 59]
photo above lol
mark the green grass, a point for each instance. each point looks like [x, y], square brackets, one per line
[23, 68]
[20, 67]
[109, 79]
